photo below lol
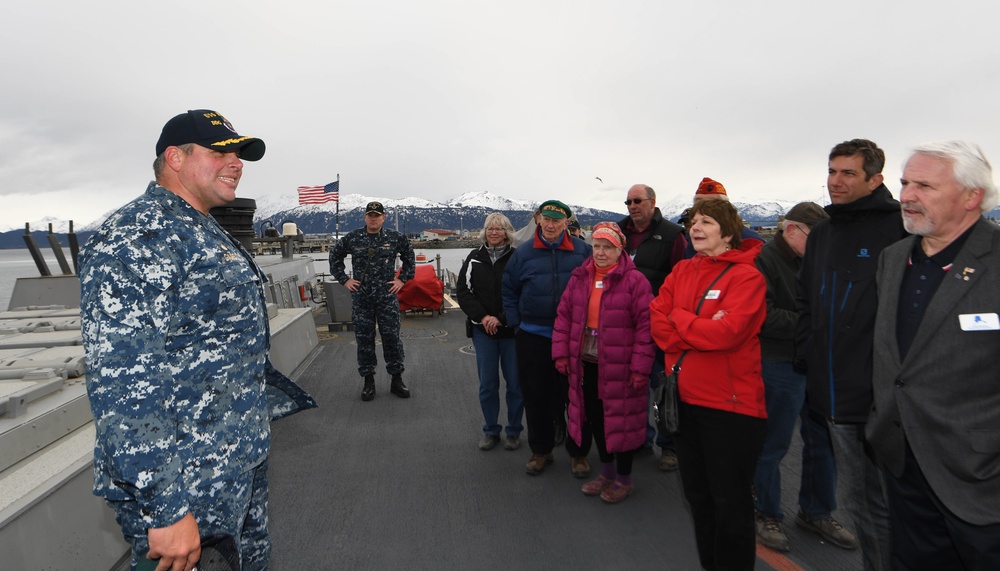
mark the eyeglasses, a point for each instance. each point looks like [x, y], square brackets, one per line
[495, 230]
[805, 231]
[629, 201]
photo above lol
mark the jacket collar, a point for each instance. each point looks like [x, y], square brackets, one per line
[745, 254]
[880, 200]
[783, 247]
[565, 241]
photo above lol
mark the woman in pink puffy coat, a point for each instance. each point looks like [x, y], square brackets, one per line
[601, 341]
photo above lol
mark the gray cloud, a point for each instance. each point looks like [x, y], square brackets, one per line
[525, 99]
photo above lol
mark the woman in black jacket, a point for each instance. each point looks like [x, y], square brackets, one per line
[480, 298]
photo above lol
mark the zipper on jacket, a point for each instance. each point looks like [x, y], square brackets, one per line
[847, 294]
[555, 278]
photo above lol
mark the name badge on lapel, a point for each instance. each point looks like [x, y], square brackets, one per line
[979, 322]
[713, 294]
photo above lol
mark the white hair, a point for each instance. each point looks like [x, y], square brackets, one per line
[968, 165]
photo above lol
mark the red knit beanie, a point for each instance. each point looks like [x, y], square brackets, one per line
[709, 186]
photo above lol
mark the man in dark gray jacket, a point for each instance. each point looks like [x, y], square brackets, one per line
[935, 424]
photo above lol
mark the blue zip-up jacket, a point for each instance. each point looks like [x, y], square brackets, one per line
[534, 280]
[836, 300]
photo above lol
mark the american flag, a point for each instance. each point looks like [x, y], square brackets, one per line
[320, 194]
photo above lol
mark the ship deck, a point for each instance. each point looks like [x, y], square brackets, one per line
[401, 484]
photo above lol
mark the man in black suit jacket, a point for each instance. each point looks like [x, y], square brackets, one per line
[935, 421]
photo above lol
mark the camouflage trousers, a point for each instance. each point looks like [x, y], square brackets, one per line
[238, 510]
[382, 310]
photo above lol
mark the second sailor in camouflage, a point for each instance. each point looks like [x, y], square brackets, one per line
[374, 285]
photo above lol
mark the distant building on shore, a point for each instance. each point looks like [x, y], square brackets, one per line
[436, 234]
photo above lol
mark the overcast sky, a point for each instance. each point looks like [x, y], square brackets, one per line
[526, 99]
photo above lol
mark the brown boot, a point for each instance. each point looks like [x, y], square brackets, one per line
[537, 464]
[580, 467]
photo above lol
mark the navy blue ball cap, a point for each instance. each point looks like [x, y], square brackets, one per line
[210, 130]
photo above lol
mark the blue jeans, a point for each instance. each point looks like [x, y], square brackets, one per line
[785, 394]
[493, 354]
[865, 496]
[664, 441]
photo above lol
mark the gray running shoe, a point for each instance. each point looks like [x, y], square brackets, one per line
[770, 534]
[489, 441]
[830, 529]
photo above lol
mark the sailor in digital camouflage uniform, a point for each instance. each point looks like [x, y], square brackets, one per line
[373, 287]
[176, 336]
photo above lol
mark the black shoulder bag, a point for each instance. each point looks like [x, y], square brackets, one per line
[664, 415]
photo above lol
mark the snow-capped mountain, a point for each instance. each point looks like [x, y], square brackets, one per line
[59, 226]
[412, 214]
[272, 206]
[491, 201]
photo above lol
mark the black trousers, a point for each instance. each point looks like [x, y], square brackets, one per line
[542, 387]
[593, 427]
[926, 535]
[717, 452]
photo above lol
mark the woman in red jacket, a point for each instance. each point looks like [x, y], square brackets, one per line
[708, 313]
[603, 317]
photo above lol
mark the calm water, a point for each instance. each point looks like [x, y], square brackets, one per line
[18, 264]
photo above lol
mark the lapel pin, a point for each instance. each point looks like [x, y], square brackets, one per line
[966, 272]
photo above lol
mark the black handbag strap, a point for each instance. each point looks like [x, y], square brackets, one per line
[677, 366]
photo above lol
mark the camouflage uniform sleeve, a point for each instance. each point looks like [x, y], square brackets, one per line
[130, 385]
[407, 257]
[337, 255]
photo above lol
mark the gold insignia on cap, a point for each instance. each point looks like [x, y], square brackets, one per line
[230, 142]
[554, 207]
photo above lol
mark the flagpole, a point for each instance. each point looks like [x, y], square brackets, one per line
[338, 208]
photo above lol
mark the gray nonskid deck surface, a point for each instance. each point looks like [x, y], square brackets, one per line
[401, 484]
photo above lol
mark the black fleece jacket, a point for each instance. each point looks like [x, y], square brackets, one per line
[837, 301]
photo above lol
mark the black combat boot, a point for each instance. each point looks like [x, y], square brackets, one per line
[398, 388]
[368, 392]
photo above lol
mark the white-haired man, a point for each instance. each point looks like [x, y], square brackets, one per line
[935, 421]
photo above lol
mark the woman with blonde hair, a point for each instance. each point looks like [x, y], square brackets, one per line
[479, 296]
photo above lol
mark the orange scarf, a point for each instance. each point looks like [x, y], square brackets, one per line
[594, 305]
